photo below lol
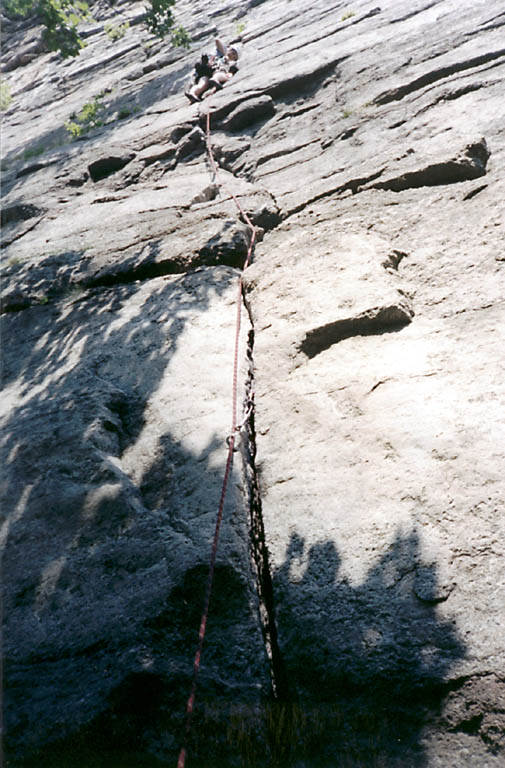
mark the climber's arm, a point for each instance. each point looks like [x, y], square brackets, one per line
[220, 47]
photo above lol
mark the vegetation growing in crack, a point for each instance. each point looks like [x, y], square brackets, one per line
[357, 110]
[34, 152]
[74, 292]
[15, 261]
[30, 153]
[90, 116]
[93, 114]
[116, 31]
[181, 38]
[5, 96]
[125, 112]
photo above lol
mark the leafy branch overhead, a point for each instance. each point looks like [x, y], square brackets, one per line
[61, 18]
[159, 17]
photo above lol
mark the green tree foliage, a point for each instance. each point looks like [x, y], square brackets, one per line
[160, 17]
[18, 8]
[60, 19]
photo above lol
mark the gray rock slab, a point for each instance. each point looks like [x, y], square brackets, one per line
[114, 425]
[366, 143]
[378, 459]
[108, 236]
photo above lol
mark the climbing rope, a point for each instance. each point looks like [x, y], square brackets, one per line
[229, 461]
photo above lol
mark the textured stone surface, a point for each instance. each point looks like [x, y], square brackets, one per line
[114, 448]
[367, 145]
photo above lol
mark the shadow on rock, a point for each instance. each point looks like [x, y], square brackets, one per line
[369, 665]
[109, 499]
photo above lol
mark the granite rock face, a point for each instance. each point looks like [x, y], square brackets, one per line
[358, 610]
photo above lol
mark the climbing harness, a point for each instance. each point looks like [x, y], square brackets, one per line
[230, 440]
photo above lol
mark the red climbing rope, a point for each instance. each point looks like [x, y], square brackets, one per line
[229, 461]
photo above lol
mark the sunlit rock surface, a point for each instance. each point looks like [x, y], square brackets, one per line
[360, 573]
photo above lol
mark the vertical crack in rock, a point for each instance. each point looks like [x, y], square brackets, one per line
[259, 550]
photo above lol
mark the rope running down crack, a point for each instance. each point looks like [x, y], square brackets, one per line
[229, 461]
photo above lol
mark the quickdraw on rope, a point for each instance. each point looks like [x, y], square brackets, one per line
[229, 461]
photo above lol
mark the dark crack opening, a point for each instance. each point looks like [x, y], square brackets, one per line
[372, 322]
[258, 546]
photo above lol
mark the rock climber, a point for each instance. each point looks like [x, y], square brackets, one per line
[213, 71]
